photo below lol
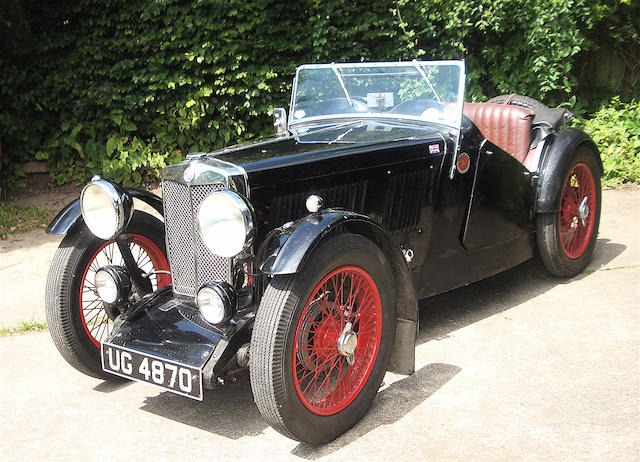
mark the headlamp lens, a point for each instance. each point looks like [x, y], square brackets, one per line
[106, 286]
[211, 305]
[225, 223]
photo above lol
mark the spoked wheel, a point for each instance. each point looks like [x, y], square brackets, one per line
[337, 340]
[322, 340]
[76, 316]
[148, 257]
[566, 239]
[577, 209]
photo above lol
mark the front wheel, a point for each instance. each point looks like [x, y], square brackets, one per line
[566, 238]
[322, 339]
[76, 316]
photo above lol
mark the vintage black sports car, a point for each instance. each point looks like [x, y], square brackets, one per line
[303, 257]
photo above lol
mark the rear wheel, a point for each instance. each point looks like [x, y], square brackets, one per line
[566, 238]
[76, 316]
[517, 100]
[322, 339]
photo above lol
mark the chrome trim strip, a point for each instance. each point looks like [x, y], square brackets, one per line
[206, 171]
[452, 62]
[209, 170]
[327, 119]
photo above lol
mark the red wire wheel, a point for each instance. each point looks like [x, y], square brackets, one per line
[577, 210]
[337, 340]
[322, 340]
[567, 237]
[148, 257]
[76, 316]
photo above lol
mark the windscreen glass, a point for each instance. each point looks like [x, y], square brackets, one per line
[429, 92]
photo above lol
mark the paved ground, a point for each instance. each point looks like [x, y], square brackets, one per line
[518, 367]
[25, 260]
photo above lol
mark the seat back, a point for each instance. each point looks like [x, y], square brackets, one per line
[506, 126]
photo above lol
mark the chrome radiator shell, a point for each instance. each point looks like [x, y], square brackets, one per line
[184, 187]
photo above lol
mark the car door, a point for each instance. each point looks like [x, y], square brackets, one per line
[479, 216]
[499, 204]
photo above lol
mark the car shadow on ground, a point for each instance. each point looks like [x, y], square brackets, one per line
[108, 387]
[391, 404]
[442, 314]
[229, 410]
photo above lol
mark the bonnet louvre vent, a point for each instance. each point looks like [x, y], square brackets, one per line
[404, 201]
[288, 208]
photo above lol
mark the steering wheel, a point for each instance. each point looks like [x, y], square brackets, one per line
[339, 106]
[416, 106]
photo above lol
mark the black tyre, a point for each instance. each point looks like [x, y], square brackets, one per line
[309, 379]
[566, 238]
[76, 317]
[517, 100]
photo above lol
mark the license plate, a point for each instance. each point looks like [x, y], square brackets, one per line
[170, 375]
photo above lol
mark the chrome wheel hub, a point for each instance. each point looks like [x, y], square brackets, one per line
[347, 343]
[583, 211]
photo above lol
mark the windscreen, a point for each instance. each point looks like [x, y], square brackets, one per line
[429, 92]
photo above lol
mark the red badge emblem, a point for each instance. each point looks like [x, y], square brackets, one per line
[464, 162]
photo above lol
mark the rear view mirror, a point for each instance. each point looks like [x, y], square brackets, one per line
[280, 121]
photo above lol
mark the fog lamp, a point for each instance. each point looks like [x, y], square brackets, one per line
[112, 284]
[217, 302]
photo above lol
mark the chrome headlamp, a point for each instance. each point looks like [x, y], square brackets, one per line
[112, 284]
[225, 222]
[106, 208]
[217, 302]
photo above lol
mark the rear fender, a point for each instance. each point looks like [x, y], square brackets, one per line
[71, 215]
[556, 162]
[287, 248]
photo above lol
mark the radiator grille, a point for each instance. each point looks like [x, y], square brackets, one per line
[192, 263]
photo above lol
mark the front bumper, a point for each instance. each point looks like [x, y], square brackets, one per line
[171, 327]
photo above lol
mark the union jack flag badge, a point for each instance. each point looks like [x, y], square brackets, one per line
[434, 149]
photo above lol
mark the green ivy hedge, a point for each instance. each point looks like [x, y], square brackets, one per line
[615, 128]
[122, 88]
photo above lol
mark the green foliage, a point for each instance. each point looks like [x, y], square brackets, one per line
[123, 87]
[522, 46]
[15, 219]
[615, 128]
[24, 326]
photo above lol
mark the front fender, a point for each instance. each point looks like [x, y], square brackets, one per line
[289, 246]
[71, 214]
[555, 165]
[287, 249]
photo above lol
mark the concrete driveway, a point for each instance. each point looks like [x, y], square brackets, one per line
[521, 366]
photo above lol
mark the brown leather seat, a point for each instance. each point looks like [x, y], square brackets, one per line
[506, 126]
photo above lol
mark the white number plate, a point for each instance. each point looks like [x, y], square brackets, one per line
[170, 375]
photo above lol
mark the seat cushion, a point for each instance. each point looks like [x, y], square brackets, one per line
[506, 126]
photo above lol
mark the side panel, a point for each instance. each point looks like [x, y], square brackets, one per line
[394, 186]
[447, 263]
[499, 205]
